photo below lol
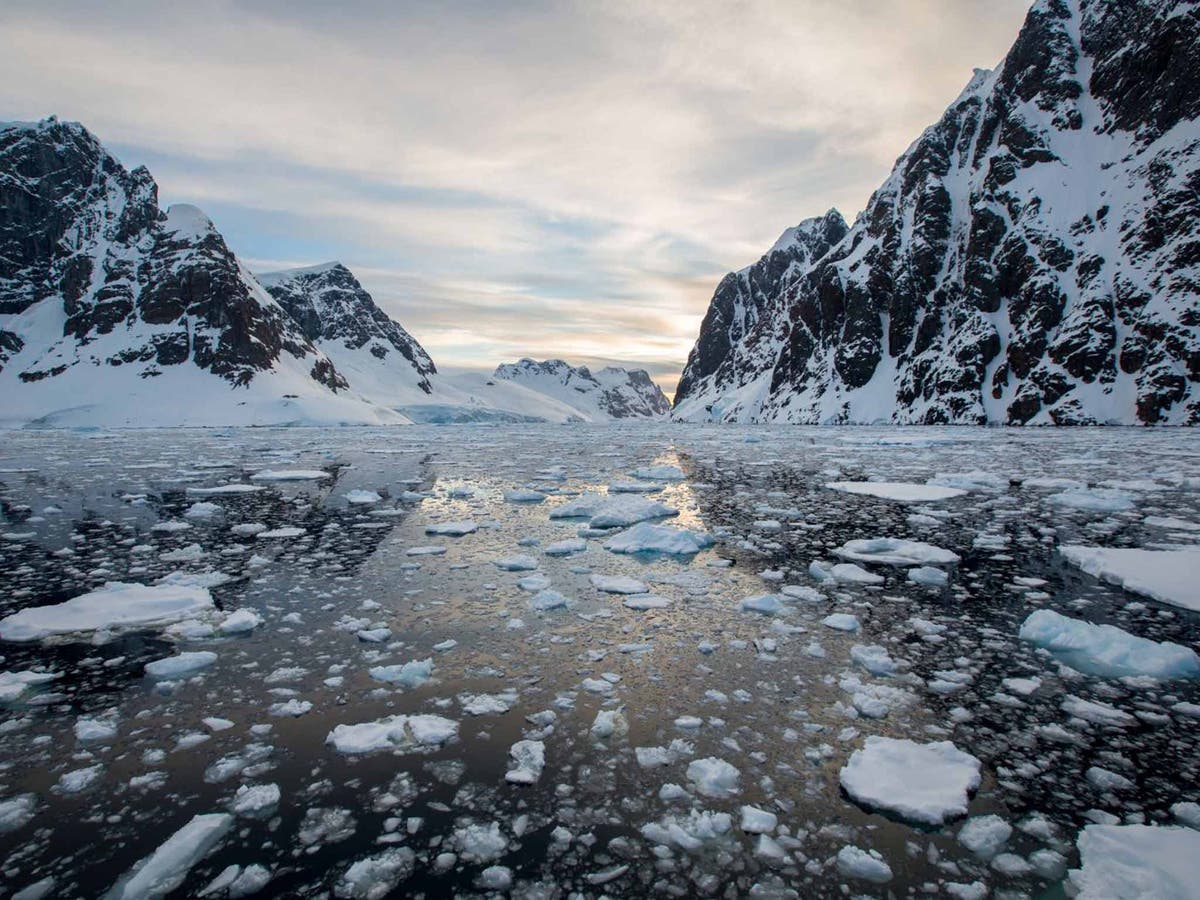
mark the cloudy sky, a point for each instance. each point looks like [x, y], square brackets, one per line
[508, 179]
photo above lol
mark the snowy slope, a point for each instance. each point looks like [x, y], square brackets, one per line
[1034, 256]
[610, 393]
[114, 312]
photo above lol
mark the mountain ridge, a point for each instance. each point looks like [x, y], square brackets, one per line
[1033, 258]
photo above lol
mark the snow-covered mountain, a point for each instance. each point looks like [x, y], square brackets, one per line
[115, 312]
[610, 393]
[377, 356]
[385, 365]
[1034, 256]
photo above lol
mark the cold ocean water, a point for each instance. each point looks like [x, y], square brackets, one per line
[573, 719]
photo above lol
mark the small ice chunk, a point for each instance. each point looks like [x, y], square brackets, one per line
[854, 862]
[453, 529]
[985, 836]
[758, 821]
[713, 777]
[619, 584]
[528, 760]
[841, 622]
[411, 674]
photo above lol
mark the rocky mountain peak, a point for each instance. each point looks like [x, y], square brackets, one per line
[334, 311]
[1034, 257]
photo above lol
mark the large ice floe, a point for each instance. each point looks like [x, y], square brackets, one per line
[1169, 576]
[900, 491]
[928, 783]
[399, 732]
[1137, 862]
[115, 607]
[1107, 650]
[647, 538]
[895, 552]
[167, 867]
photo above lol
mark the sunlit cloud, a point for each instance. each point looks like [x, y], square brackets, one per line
[567, 179]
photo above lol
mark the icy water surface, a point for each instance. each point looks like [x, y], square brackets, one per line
[658, 723]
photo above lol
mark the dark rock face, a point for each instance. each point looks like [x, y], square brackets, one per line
[1034, 256]
[745, 323]
[336, 313]
[611, 392]
[137, 286]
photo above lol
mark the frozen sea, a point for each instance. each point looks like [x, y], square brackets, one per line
[543, 715]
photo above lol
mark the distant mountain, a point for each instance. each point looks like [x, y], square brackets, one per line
[610, 393]
[115, 312]
[1034, 257]
[380, 359]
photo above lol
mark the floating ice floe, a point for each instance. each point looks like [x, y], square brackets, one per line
[399, 732]
[290, 475]
[254, 800]
[221, 489]
[659, 473]
[181, 665]
[1106, 650]
[713, 777]
[841, 622]
[487, 704]
[617, 511]
[647, 538]
[116, 606]
[524, 495]
[546, 600]
[1168, 576]
[766, 604]
[287, 531]
[895, 552]
[411, 674]
[977, 480]
[1098, 500]
[16, 811]
[1131, 862]
[202, 510]
[927, 783]
[361, 497]
[565, 547]
[240, 621]
[528, 760]
[903, 492]
[646, 601]
[453, 529]
[867, 865]
[692, 832]
[928, 576]
[166, 868]
[376, 876]
[619, 584]
[845, 573]
[14, 685]
[516, 563]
